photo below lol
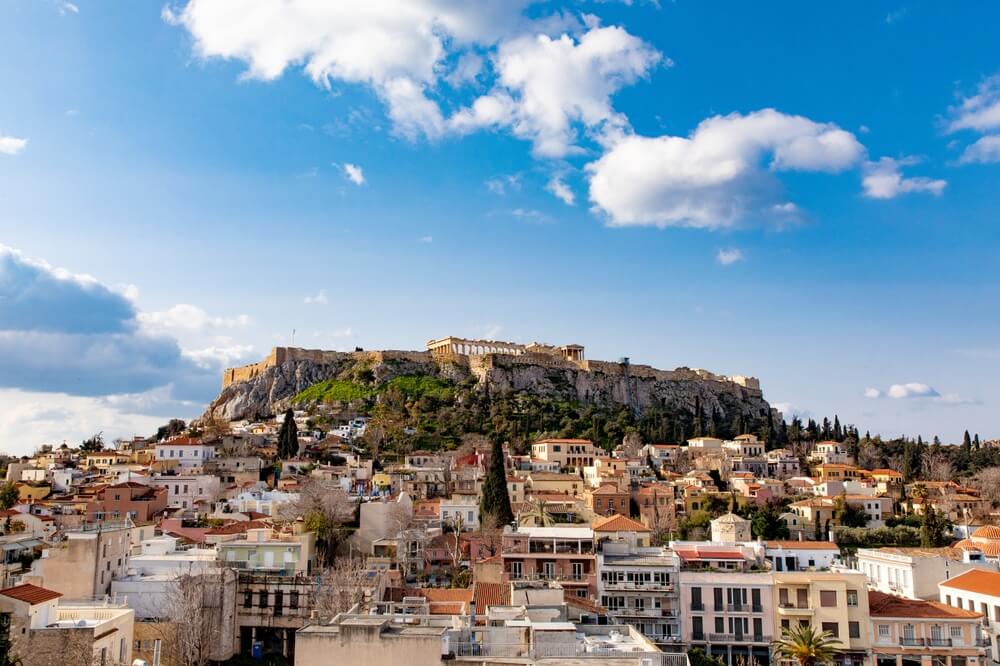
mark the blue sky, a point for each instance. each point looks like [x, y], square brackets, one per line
[800, 192]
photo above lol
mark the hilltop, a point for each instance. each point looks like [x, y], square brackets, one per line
[458, 386]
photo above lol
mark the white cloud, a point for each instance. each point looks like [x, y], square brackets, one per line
[561, 191]
[979, 113]
[714, 177]
[343, 332]
[872, 393]
[395, 46]
[545, 86]
[729, 255]
[219, 357]
[185, 316]
[354, 173]
[10, 145]
[467, 69]
[319, 298]
[911, 390]
[68, 8]
[501, 185]
[883, 179]
[531, 215]
[425, 239]
[984, 150]
[956, 399]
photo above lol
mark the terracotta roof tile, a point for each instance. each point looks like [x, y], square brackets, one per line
[976, 580]
[31, 594]
[490, 594]
[619, 523]
[881, 604]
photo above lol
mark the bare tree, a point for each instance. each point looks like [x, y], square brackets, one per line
[194, 610]
[682, 463]
[631, 444]
[324, 507]
[343, 585]
[936, 467]
[987, 482]
[869, 458]
[490, 533]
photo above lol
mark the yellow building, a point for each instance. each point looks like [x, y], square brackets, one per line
[834, 472]
[569, 453]
[829, 601]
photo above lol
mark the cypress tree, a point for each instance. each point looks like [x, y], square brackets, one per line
[975, 441]
[495, 501]
[966, 442]
[288, 436]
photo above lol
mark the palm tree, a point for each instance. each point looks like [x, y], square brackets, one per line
[538, 512]
[807, 647]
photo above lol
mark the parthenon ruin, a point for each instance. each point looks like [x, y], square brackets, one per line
[468, 347]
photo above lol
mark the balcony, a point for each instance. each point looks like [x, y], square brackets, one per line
[643, 612]
[744, 608]
[912, 642]
[560, 577]
[630, 585]
[738, 638]
[788, 608]
[939, 642]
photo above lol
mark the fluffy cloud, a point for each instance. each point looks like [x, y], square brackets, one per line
[187, 317]
[10, 145]
[720, 174]
[561, 191]
[729, 255]
[68, 333]
[911, 390]
[979, 113]
[501, 185]
[546, 86]
[397, 47]
[883, 180]
[872, 393]
[354, 173]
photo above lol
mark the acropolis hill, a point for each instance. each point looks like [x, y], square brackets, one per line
[496, 367]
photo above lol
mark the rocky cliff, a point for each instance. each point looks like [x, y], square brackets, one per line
[607, 385]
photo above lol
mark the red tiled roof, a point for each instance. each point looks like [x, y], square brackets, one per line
[618, 523]
[586, 604]
[695, 554]
[881, 604]
[564, 441]
[976, 580]
[31, 594]
[987, 532]
[791, 544]
[238, 527]
[490, 594]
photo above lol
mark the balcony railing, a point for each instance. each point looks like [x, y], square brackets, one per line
[744, 608]
[939, 642]
[573, 650]
[561, 577]
[912, 642]
[738, 638]
[697, 606]
[631, 585]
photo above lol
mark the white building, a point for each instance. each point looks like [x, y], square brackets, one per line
[151, 575]
[977, 590]
[464, 508]
[747, 446]
[190, 491]
[791, 555]
[189, 454]
[916, 572]
[639, 586]
[268, 502]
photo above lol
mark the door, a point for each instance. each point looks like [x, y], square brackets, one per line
[268, 559]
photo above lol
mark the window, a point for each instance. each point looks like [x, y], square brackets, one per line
[248, 599]
[293, 599]
[720, 625]
[697, 628]
[955, 631]
[262, 598]
[883, 631]
[854, 629]
[279, 601]
[832, 627]
[827, 598]
[121, 650]
[852, 598]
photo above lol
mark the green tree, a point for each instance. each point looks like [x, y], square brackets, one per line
[806, 646]
[8, 495]
[966, 442]
[288, 436]
[849, 515]
[766, 522]
[698, 657]
[93, 444]
[934, 528]
[495, 500]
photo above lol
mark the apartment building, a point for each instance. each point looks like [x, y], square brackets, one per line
[917, 632]
[914, 573]
[727, 613]
[42, 630]
[572, 454]
[830, 601]
[787, 555]
[82, 565]
[190, 455]
[639, 586]
[977, 590]
[264, 549]
[560, 553]
[136, 501]
[190, 491]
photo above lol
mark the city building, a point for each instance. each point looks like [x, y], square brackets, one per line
[138, 502]
[559, 553]
[917, 632]
[83, 564]
[977, 590]
[914, 573]
[573, 454]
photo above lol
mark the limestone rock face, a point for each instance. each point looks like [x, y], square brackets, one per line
[601, 384]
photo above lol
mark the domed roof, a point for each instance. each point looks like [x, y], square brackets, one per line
[730, 519]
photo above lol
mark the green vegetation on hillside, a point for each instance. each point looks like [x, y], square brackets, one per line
[422, 386]
[333, 390]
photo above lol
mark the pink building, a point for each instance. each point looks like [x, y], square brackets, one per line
[559, 553]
